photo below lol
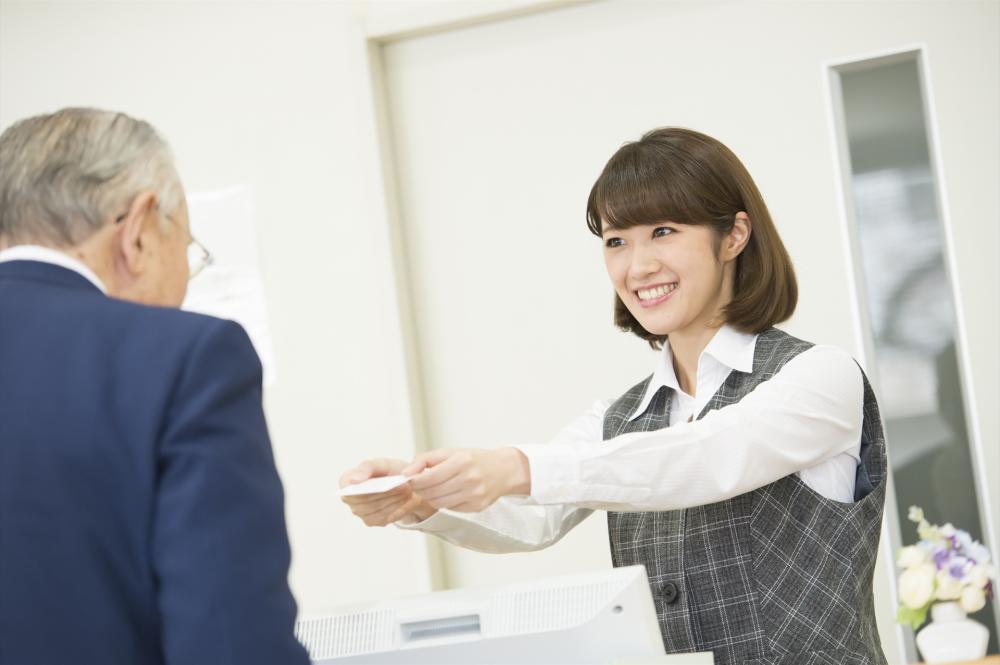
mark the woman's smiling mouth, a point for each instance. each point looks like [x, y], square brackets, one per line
[654, 295]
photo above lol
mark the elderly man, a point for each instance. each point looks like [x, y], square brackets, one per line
[141, 516]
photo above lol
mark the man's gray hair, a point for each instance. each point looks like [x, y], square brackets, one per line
[66, 174]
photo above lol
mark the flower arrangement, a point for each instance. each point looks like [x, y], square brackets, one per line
[946, 565]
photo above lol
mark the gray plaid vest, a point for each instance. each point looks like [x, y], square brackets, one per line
[777, 576]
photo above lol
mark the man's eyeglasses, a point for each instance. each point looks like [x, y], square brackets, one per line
[198, 256]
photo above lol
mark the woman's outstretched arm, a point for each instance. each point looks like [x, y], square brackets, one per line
[807, 413]
[510, 524]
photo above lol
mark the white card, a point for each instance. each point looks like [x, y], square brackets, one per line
[374, 485]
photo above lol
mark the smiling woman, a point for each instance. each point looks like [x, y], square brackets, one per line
[746, 473]
[691, 180]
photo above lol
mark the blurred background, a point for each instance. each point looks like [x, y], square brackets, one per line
[419, 172]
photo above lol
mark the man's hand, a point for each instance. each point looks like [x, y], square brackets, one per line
[469, 479]
[385, 507]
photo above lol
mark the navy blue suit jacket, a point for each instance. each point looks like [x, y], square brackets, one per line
[141, 515]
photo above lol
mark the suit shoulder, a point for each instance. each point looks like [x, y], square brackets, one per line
[171, 320]
[170, 328]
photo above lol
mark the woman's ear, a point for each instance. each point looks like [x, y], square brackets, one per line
[133, 226]
[738, 237]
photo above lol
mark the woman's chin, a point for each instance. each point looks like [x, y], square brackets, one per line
[658, 328]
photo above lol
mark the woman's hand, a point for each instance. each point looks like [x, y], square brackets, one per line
[385, 507]
[469, 479]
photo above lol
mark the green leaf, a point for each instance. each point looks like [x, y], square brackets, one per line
[911, 616]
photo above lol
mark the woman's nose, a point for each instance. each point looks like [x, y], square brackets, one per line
[644, 262]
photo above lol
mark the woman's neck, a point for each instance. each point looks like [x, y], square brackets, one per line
[686, 347]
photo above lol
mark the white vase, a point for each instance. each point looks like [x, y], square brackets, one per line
[951, 636]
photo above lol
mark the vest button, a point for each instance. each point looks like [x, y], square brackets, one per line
[669, 593]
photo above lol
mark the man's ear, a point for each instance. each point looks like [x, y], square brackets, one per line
[132, 228]
[736, 240]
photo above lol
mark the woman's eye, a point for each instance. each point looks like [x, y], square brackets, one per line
[614, 242]
[660, 231]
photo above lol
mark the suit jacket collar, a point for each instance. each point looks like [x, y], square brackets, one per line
[48, 273]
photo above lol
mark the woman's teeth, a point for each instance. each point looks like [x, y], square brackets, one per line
[656, 292]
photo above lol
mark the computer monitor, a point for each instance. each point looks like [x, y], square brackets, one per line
[602, 617]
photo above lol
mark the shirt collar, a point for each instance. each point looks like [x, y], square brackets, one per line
[733, 348]
[54, 257]
[728, 347]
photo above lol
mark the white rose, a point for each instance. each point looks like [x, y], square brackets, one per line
[948, 588]
[911, 556]
[916, 514]
[948, 530]
[977, 576]
[979, 553]
[972, 600]
[916, 585]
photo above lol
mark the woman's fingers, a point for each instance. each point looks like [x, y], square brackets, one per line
[359, 473]
[386, 501]
[378, 519]
[418, 464]
[427, 460]
[466, 480]
[449, 499]
[384, 507]
[450, 485]
[403, 510]
[464, 477]
[370, 499]
[372, 468]
[378, 514]
[447, 467]
[393, 512]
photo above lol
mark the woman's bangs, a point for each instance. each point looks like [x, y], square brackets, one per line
[628, 195]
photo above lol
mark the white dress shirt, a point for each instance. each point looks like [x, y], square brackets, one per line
[805, 420]
[53, 256]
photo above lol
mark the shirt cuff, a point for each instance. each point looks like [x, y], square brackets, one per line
[553, 471]
[442, 521]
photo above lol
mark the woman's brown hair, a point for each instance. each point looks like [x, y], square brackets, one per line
[683, 176]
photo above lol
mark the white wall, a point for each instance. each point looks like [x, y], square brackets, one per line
[271, 94]
[265, 93]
